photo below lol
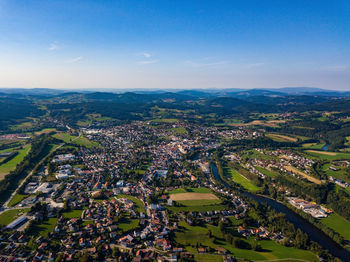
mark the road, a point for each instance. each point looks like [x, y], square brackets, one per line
[5, 205]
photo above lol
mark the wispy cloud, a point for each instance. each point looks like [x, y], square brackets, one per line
[144, 54]
[54, 46]
[147, 55]
[74, 60]
[205, 64]
[146, 62]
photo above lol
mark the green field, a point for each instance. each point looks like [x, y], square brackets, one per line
[179, 130]
[338, 224]
[11, 165]
[266, 172]
[256, 154]
[64, 137]
[190, 190]
[322, 156]
[44, 228]
[128, 224]
[204, 202]
[313, 145]
[165, 120]
[208, 258]
[25, 126]
[340, 174]
[189, 236]
[197, 208]
[239, 179]
[8, 216]
[73, 213]
[83, 141]
[16, 199]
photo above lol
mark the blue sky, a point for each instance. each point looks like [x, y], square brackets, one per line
[175, 44]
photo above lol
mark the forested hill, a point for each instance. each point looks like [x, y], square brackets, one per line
[71, 106]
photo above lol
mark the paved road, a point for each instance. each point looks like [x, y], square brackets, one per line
[5, 205]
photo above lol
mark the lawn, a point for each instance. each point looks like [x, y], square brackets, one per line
[239, 179]
[207, 258]
[16, 199]
[128, 224]
[11, 165]
[338, 224]
[44, 228]
[8, 216]
[73, 213]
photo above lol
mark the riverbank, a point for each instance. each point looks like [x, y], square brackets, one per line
[311, 230]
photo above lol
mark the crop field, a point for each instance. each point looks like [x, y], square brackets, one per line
[193, 196]
[271, 123]
[45, 131]
[313, 145]
[328, 155]
[323, 152]
[281, 138]
[310, 178]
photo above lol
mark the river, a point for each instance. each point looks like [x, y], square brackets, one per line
[313, 232]
[325, 147]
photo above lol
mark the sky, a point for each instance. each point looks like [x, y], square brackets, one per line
[174, 44]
